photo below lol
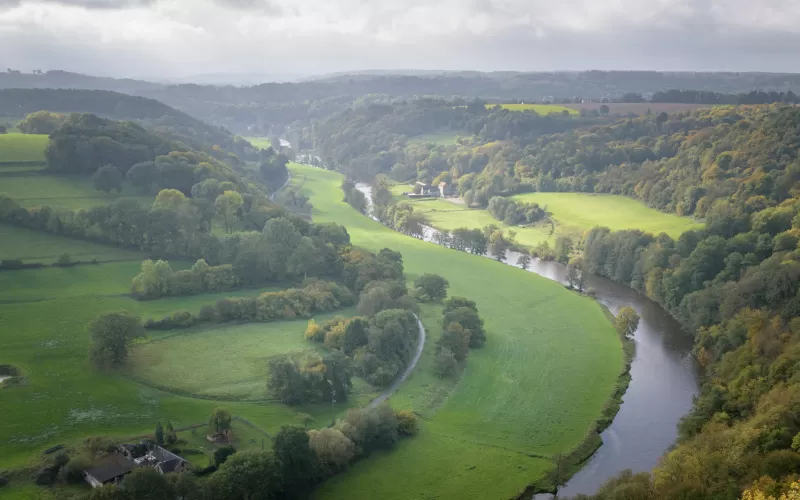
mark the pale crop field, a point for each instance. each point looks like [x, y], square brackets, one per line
[542, 109]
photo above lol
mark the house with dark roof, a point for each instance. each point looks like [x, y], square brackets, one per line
[164, 461]
[111, 471]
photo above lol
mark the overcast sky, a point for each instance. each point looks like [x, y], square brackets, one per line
[174, 38]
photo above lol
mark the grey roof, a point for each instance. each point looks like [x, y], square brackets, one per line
[170, 465]
[113, 466]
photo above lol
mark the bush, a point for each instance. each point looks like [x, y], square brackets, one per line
[72, 472]
[3, 480]
[46, 476]
[64, 260]
[406, 422]
[11, 264]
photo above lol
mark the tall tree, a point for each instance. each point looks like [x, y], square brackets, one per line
[110, 335]
[228, 206]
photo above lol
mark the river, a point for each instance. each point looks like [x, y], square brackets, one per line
[664, 379]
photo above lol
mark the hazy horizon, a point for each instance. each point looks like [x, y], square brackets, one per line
[164, 39]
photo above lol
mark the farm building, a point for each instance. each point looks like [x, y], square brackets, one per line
[113, 469]
[130, 456]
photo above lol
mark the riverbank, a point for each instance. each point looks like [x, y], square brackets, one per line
[539, 385]
[644, 425]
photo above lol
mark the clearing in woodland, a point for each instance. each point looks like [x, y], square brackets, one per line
[542, 109]
[535, 390]
[582, 211]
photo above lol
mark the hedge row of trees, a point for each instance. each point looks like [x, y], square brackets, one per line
[287, 247]
[354, 197]
[315, 297]
[157, 279]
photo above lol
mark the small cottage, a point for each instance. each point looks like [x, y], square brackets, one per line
[111, 471]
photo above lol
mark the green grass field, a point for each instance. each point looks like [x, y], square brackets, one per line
[259, 142]
[37, 246]
[542, 109]
[227, 362]
[65, 192]
[537, 387]
[44, 313]
[581, 211]
[22, 148]
[574, 214]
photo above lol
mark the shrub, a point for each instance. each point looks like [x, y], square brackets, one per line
[72, 472]
[11, 264]
[406, 422]
[64, 260]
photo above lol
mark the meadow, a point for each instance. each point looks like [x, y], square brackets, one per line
[582, 211]
[40, 247]
[573, 214]
[542, 109]
[64, 192]
[44, 313]
[259, 142]
[535, 390]
[22, 148]
[226, 362]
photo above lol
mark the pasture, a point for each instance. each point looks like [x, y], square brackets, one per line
[22, 148]
[40, 247]
[259, 142]
[536, 388]
[63, 192]
[63, 398]
[226, 362]
[542, 109]
[578, 212]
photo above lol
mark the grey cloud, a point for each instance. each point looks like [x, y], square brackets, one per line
[89, 4]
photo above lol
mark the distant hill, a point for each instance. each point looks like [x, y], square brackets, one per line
[178, 125]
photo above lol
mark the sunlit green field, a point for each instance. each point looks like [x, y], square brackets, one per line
[259, 142]
[22, 148]
[542, 109]
[537, 387]
[582, 211]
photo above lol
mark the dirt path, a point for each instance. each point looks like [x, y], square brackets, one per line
[410, 368]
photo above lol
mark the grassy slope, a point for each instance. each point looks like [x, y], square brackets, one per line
[536, 388]
[259, 142]
[542, 109]
[43, 318]
[22, 148]
[584, 211]
[67, 192]
[36, 246]
[225, 361]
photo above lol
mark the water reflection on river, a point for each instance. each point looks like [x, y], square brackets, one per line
[664, 378]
